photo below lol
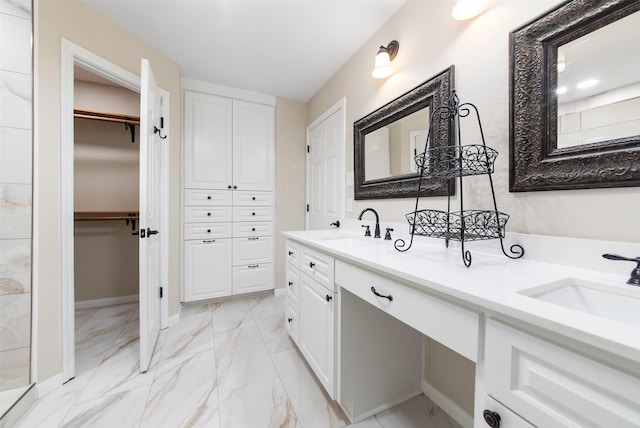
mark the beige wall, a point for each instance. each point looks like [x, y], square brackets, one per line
[430, 41]
[291, 118]
[79, 23]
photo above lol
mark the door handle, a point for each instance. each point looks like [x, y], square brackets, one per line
[151, 232]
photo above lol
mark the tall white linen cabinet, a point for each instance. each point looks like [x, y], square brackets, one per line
[228, 195]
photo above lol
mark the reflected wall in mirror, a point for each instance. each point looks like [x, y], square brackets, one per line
[387, 140]
[575, 98]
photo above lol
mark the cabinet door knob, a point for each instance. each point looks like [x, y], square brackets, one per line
[289, 319]
[253, 213]
[253, 229]
[290, 283]
[209, 214]
[235, 187]
[291, 253]
[312, 265]
[229, 186]
[390, 297]
[328, 298]
[253, 198]
[208, 230]
[209, 198]
[491, 418]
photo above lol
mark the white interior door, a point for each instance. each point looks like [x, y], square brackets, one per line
[325, 140]
[150, 218]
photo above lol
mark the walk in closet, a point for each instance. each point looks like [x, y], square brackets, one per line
[106, 183]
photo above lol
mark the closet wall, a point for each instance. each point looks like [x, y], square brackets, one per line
[106, 179]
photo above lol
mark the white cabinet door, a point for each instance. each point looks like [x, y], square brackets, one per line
[253, 146]
[208, 131]
[207, 269]
[316, 330]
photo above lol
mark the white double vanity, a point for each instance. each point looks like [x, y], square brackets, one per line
[553, 346]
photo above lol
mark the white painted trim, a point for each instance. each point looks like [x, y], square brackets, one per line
[175, 319]
[164, 210]
[107, 301]
[280, 292]
[227, 91]
[341, 105]
[448, 405]
[49, 385]
[35, 198]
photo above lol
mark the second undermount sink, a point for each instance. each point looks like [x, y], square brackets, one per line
[606, 301]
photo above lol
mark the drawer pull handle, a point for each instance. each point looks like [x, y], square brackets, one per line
[253, 229]
[208, 230]
[290, 283]
[229, 186]
[253, 266]
[289, 319]
[253, 198]
[491, 418]
[209, 241]
[209, 198]
[253, 239]
[253, 213]
[209, 214]
[390, 297]
[312, 265]
[328, 298]
[235, 187]
[291, 253]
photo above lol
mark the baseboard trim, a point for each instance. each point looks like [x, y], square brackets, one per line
[107, 301]
[175, 319]
[51, 384]
[377, 410]
[448, 405]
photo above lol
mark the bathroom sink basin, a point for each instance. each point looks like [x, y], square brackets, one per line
[606, 301]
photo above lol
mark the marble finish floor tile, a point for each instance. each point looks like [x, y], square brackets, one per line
[224, 365]
[184, 393]
[261, 404]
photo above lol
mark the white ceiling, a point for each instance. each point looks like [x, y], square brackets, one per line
[288, 48]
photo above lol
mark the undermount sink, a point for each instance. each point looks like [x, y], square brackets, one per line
[613, 303]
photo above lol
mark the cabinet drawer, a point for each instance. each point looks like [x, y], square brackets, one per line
[252, 199]
[209, 214]
[291, 321]
[318, 266]
[508, 419]
[292, 277]
[552, 386]
[292, 250]
[454, 326]
[252, 213]
[258, 228]
[253, 250]
[207, 230]
[257, 277]
[207, 197]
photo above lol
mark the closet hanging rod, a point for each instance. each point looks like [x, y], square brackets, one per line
[109, 117]
[105, 215]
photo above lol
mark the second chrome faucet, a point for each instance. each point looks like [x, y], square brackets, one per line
[376, 233]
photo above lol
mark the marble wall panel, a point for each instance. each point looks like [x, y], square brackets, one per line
[21, 8]
[15, 156]
[15, 211]
[15, 266]
[15, 42]
[14, 368]
[15, 100]
[15, 321]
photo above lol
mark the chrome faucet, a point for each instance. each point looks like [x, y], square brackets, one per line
[376, 233]
[634, 278]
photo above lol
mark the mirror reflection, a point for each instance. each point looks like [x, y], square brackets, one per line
[390, 150]
[598, 89]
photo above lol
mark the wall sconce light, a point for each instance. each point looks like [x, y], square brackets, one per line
[385, 55]
[467, 9]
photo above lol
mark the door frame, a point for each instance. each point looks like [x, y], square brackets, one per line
[340, 106]
[71, 55]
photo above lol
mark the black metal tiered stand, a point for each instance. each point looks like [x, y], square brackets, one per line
[457, 161]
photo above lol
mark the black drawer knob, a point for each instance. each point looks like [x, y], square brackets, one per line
[209, 197]
[491, 418]
[328, 298]
[253, 229]
[253, 213]
[208, 230]
[229, 186]
[209, 214]
[289, 319]
[235, 187]
[253, 198]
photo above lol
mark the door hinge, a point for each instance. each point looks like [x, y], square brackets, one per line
[161, 292]
[307, 207]
[308, 149]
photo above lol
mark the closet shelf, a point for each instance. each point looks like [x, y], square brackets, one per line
[109, 117]
[105, 215]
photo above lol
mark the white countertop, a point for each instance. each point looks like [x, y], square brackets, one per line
[490, 285]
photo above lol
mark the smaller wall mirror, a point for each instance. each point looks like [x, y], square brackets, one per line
[575, 98]
[387, 140]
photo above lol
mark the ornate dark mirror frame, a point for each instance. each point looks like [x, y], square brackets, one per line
[535, 161]
[433, 93]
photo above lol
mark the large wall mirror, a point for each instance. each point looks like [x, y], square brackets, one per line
[575, 98]
[387, 140]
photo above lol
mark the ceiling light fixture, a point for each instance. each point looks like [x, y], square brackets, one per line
[587, 84]
[467, 9]
[385, 55]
